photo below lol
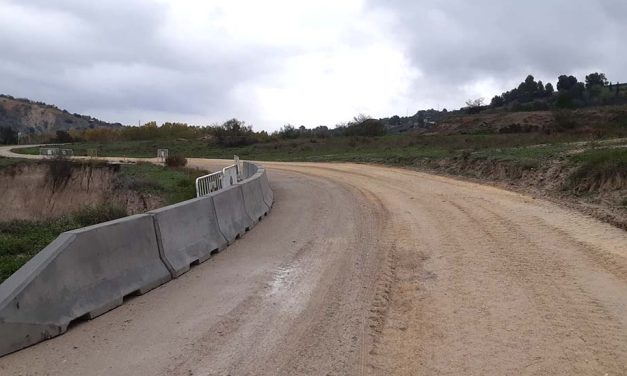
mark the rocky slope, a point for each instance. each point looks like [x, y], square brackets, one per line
[30, 117]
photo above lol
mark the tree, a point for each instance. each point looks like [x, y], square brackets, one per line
[360, 118]
[565, 83]
[368, 127]
[321, 131]
[473, 106]
[540, 89]
[475, 102]
[287, 131]
[63, 137]
[595, 79]
[234, 133]
[497, 101]
[395, 120]
[530, 87]
[548, 89]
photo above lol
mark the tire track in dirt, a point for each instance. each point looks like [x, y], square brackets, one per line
[371, 270]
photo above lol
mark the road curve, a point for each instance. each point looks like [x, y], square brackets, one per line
[367, 270]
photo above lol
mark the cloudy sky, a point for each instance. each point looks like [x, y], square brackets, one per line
[274, 62]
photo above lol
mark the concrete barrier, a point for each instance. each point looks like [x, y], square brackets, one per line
[233, 218]
[253, 198]
[87, 272]
[188, 233]
[268, 195]
[82, 274]
[249, 169]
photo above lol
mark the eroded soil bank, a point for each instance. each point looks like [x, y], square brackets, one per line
[44, 190]
[600, 192]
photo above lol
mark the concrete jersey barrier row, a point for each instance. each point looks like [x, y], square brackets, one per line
[87, 272]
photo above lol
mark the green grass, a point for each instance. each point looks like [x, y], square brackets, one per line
[173, 184]
[21, 240]
[384, 148]
[531, 156]
[6, 162]
[599, 164]
[595, 157]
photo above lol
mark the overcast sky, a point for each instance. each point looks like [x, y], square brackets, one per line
[274, 62]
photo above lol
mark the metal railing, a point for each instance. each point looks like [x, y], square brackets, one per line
[238, 165]
[229, 176]
[208, 183]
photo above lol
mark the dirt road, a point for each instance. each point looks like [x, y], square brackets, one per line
[364, 270]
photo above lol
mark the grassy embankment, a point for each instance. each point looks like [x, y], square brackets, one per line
[527, 149]
[597, 166]
[20, 240]
[392, 149]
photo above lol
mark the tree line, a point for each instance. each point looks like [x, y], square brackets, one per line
[231, 133]
[571, 93]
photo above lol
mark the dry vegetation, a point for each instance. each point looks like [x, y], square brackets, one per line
[42, 199]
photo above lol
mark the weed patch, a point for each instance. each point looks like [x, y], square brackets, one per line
[21, 240]
[599, 168]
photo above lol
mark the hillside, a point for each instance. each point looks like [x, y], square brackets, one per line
[32, 118]
[596, 121]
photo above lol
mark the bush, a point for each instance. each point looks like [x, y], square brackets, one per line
[234, 133]
[564, 120]
[91, 215]
[176, 161]
[63, 137]
[366, 128]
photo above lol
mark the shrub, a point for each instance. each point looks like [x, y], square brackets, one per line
[91, 215]
[564, 120]
[176, 161]
[366, 128]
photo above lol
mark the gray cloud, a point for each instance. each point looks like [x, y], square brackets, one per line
[309, 63]
[116, 57]
[456, 43]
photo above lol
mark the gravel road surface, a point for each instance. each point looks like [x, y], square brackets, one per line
[367, 270]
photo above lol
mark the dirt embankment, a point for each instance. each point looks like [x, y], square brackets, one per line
[602, 196]
[34, 191]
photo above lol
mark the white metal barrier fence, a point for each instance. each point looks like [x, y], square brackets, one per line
[56, 152]
[49, 152]
[229, 176]
[66, 152]
[208, 183]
